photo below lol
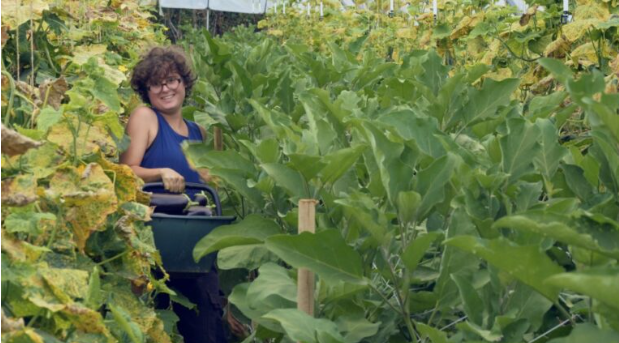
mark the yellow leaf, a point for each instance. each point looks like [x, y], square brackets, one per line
[72, 282]
[493, 51]
[557, 48]
[26, 335]
[575, 30]
[88, 196]
[19, 191]
[463, 28]
[614, 64]
[85, 319]
[19, 250]
[82, 53]
[90, 139]
[17, 12]
[500, 74]
[126, 183]
[594, 10]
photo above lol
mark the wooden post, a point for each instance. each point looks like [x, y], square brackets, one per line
[305, 282]
[218, 140]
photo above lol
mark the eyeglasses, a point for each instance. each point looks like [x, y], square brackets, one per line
[172, 83]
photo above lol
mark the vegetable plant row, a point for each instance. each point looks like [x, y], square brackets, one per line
[452, 207]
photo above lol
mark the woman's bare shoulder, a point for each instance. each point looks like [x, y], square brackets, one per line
[143, 113]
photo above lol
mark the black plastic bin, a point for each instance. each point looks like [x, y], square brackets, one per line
[176, 235]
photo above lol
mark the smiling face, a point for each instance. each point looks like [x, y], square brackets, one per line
[165, 98]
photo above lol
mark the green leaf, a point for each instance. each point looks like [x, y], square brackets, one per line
[249, 256]
[423, 130]
[484, 103]
[339, 162]
[547, 161]
[519, 148]
[272, 289]
[435, 335]
[557, 68]
[395, 175]
[253, 229]
[526, 263]
[556, 230]
[416, 249]
[106, 91]
[287, 178]
[473, 305]
[309, 166]
[325, 253]
[311, 331]
[49, 117]
[601, 284]
[577, 182]
[286, 93]
[123, 320]
[94, 298]
[435, 72]
[202, 156]
[408, 204]
[29, 222]
[588, 333]
[356, 328]
[431, 182]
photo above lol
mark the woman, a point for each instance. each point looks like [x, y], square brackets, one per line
[162, 79]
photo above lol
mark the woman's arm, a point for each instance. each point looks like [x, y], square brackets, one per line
[142, 129]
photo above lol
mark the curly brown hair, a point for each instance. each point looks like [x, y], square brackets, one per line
[158, 63]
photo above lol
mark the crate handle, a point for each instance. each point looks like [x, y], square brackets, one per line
[196, 186]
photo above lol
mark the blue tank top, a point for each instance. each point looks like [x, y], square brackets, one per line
[166, 151]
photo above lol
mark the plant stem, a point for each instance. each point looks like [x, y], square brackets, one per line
[403, 309]
[11, 97]
[113, 258]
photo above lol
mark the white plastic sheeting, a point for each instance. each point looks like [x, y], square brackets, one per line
[236, 6]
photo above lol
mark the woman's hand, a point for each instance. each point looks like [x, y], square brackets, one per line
[207, 177]
[172, 181]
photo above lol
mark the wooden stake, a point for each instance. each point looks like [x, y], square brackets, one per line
[305, 282]
[218, 140]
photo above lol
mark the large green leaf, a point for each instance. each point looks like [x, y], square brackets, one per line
[252, 230]
[311, 330]
[526, 263]
[308, 165]
[519, 148]
[289, 179]
[601, 284]
[435, 335]
[423, 130]
[325, 253]
[588, 333]
[484, 103]
[547, 161]
[431, 181]
[558, 69]
[395, 175]
[339, 162]
[356, 328]
[558, 230]
[472, 303]
[272, 289]
[417, 249]
[249, 256]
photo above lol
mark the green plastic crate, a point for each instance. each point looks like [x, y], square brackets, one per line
[176, 236]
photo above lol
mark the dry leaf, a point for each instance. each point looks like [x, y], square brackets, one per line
[13, 143]
[54, 91]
